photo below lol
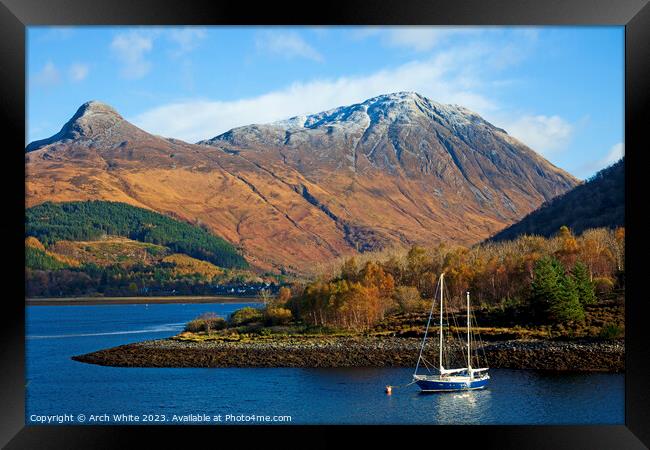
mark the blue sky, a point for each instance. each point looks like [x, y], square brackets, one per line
[558, 89]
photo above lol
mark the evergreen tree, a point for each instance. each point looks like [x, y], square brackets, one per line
[544, 288]
[566, 306]
[584, 285]
[554, 295]
[36, 258]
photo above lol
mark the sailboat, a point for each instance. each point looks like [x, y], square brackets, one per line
[449, 379]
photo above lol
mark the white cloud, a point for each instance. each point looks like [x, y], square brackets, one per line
[544, 134]
[287, 44]
[78, 72]
[423, 38]
[615, 153]
[49, 75]
[426, 38]
[508, 46]
[436, 78]
[186, 39]
[458, 75]
[131, 49]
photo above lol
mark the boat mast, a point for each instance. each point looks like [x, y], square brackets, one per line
[424, 339]
[442, 275]
[469, 360]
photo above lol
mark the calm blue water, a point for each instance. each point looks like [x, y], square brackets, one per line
[57, 385]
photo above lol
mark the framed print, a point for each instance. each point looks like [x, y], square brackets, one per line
[277, 223]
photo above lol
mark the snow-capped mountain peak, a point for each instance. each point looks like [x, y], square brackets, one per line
[398, 107]
[373, 116]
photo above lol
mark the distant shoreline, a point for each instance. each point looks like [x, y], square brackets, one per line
[67, 301]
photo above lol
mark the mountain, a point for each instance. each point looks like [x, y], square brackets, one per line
[398, 169]
[600, 202]
[410, 135]
[92, 120]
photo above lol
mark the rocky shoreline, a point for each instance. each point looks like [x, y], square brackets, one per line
[366, 351]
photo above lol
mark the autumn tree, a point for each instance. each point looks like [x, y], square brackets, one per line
[568, 246]
[416, 264]
[265, 297]
[408, 298]
[349, 270]
[284, 295]
[373, 274]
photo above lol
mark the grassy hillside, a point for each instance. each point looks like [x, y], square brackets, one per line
[186, 265]
[600, 202]
[92, 220]
[110, 250]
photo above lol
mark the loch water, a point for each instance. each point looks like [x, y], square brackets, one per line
[56, 385]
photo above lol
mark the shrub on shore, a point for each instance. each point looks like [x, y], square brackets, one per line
[611, 331]
[245, 316]
[206, 322]
[277, 316]
[603, 285]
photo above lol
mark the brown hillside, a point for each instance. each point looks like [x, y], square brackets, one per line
[397, 169]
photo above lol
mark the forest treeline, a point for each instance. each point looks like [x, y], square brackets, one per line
[161, 279]
[142, 270]
[600, 202]
[552, 279]
[92, 220]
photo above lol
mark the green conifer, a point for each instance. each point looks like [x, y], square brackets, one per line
[544, 287]
[554, 295]
[584, 285]
[566, 306]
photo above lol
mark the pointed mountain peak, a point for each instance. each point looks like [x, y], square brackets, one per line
[95, 107]
[91, 120]
[92, 117]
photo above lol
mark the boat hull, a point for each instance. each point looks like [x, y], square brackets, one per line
[450, 386]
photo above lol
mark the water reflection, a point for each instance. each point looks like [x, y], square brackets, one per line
[459, 407]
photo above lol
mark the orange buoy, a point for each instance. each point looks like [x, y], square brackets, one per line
[389, 390]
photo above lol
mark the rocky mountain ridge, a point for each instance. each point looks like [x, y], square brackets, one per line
[398, 169]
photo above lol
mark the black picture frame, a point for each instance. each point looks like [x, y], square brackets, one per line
[15, 15]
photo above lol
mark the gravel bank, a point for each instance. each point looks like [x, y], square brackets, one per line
[606, 356]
